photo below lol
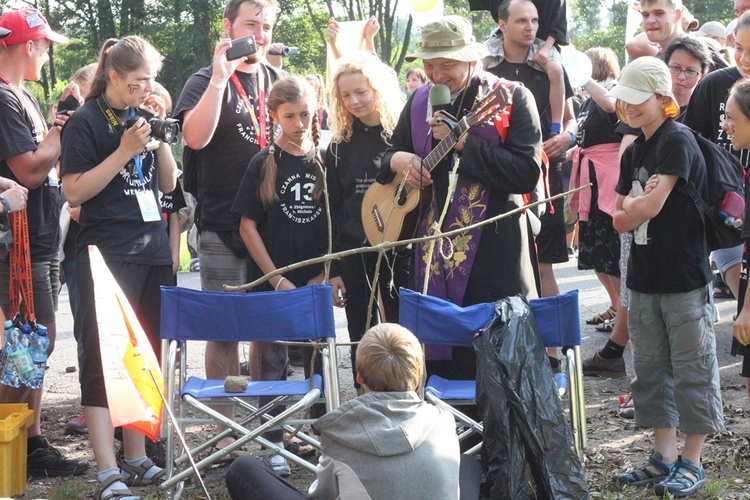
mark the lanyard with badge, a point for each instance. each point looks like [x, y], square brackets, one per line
[258, 125]
[146, 199]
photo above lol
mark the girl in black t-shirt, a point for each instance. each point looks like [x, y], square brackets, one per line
[113, 170]
[737, 126]
[367, 102]
[283, 221]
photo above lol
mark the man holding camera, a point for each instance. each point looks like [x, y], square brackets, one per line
[28, 152]
[224, 119]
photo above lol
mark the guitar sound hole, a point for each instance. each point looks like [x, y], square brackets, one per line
[401, 198]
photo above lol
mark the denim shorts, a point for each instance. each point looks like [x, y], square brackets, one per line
[727, 257]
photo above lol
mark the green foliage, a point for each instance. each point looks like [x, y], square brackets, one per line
[73, 55]
[586, 17]
[303, 25]
[711, 10]
[613, 36]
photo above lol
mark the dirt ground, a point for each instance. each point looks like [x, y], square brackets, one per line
[614, 444]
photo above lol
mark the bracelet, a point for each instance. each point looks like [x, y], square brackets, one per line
[279, 283]
[572, 139]
[215, 85]
[6, 203]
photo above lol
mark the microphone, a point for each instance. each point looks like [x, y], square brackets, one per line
[440, 97]
[285, 51]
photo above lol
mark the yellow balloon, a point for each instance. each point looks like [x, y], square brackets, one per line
[422, 5]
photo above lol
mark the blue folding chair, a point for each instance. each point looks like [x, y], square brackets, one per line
[298, 315]
[437, 321]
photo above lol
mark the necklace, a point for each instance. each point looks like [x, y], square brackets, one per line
[300, 151]
[515, 66]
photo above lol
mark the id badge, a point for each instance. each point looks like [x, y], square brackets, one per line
[149, 208]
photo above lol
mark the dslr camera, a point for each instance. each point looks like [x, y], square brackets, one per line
[165, 130]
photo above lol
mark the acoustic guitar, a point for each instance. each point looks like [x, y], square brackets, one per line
[390, 212]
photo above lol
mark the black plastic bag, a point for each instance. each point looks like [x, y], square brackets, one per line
[528, 447]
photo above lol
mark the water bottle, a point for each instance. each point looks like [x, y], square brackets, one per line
[39, 345]
[8, 376]
[19, 355]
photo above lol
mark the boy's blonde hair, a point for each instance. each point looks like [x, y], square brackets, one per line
[389, 358]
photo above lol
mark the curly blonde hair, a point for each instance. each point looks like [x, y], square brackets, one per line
[389, 98]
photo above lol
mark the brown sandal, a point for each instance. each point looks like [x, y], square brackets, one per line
[610, 313]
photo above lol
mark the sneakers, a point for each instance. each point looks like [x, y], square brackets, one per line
[47, 461]
[77, 425]
[627, 407]
[282, 468]
[596, 366]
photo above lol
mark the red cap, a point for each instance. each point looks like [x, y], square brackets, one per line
[27, 24]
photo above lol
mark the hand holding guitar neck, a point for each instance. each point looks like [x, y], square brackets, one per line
[390, 211]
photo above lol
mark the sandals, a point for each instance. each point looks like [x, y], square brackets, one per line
[685, 480]
[296, 447]
[607, 326]
[610, 313]
[120, 494]
[137, 474]
[643, 476]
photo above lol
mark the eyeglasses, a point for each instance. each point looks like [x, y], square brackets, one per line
[689, 73]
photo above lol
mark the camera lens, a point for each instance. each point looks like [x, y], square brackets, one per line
[165, 130]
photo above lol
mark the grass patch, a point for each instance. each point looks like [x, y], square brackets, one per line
[72, 489]
[184, 253]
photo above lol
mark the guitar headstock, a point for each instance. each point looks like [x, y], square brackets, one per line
[493, 103]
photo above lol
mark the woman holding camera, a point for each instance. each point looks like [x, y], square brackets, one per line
[113, 168]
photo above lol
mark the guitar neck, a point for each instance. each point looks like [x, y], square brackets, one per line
[433, 158]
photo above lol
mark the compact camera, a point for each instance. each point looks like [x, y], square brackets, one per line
[164, 130]
[242, 47]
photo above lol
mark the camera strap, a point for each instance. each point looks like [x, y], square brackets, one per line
[110, 115]
[119, 129]
[258, 124]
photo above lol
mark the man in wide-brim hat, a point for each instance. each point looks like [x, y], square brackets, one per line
[495, 163]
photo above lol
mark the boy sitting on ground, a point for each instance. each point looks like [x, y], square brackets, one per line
[387, 443]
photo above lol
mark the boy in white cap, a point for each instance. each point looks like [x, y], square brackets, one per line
[671, 309]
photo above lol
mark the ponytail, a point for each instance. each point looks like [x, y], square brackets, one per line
[99, 82]
[123, 56]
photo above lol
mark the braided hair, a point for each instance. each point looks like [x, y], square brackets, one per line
[291, 89]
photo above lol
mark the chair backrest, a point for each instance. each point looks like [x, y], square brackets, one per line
[558, 319]
[436, 321]
[294, 315]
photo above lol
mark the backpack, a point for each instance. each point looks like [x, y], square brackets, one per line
[724, 175]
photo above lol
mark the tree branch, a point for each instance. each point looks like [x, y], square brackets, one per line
[382, 247]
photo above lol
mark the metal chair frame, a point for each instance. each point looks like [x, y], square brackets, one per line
[558, 322]
[294, 316]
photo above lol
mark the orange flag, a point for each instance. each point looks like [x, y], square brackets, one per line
[127, 357]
